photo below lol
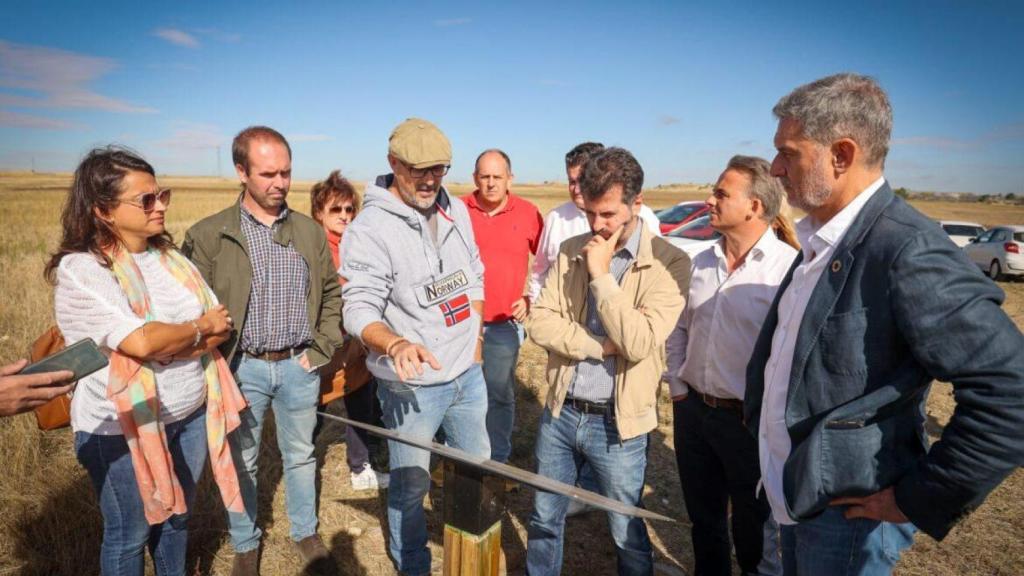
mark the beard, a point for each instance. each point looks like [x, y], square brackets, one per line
[813, 191]
[420, 203]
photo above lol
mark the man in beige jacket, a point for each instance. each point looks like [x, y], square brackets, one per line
[604, 313]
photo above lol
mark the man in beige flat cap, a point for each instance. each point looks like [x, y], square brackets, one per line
[414, 295]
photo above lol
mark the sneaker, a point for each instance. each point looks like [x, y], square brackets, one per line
[369, 479]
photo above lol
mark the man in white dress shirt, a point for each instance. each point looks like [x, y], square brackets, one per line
[731, 289]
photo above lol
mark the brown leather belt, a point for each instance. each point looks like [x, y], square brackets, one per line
[588, 407]
[726, 403]
[276, 355]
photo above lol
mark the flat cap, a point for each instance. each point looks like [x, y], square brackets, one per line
[419, 144]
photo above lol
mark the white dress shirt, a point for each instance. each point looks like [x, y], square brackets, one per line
[712, 342]
[563, 223]
[818, 242]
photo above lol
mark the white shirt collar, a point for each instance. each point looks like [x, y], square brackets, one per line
[765, 245]
[815, 240]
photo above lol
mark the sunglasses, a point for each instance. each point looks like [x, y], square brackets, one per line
[436, 171]
[349, 209]
[148, 200]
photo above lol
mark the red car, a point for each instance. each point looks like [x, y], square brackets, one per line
[675, 216]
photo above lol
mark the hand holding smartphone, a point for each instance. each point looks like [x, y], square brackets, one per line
[23, 388]
[81, 359]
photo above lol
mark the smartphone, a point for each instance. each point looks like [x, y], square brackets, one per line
[81, 358]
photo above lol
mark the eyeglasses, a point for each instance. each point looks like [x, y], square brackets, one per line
[436, 171]
[148, 200]
[347, 209]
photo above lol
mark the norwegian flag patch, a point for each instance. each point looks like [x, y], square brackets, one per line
[455, 310]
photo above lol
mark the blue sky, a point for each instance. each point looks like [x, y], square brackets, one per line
[682, 85]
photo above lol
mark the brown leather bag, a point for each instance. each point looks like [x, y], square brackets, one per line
[345, 373]
[57, 412]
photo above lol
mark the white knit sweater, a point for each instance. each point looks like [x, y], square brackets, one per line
[90, 304]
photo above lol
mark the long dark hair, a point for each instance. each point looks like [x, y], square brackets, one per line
[98, 184]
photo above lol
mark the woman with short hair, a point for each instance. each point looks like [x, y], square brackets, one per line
[334, 204]
[145, 424]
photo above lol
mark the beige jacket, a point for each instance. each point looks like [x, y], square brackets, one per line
[638, 317]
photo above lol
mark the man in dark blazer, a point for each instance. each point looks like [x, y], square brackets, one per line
[878, 304]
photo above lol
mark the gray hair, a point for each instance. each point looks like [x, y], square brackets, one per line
[508, 161]
[842, 106]
[763, 186]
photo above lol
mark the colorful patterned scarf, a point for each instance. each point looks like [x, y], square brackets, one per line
[132, 388]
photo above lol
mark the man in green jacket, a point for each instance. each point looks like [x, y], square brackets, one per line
[273, 270]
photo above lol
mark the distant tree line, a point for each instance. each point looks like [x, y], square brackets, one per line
[1009, 198]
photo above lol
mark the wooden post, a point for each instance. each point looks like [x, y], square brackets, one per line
[472, 521]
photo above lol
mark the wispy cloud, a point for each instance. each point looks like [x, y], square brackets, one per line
[16, 120]
[58, 79]
[177, 37]
[746, 143]
[309, 138]
[668, 120]
[448, 22]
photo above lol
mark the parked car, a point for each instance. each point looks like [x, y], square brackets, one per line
[999, 251]
[673, 216]
[961, 232]
[694, 236]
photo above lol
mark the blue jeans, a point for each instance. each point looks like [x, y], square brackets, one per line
[563, 445]
[293, 393]
[126, 534]
[831, 544]
[460, 406]
[500, 351]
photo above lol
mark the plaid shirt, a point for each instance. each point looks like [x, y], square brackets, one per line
[276, 318]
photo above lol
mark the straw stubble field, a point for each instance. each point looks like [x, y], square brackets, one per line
[50, 522]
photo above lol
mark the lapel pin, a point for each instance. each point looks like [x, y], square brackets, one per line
[836, 266]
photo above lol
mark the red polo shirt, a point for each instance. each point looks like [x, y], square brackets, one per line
[506, 241]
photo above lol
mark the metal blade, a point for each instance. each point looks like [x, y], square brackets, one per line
[511, 472]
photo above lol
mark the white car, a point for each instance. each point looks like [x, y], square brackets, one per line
[961, 233]
[694, 236]
[999, 251]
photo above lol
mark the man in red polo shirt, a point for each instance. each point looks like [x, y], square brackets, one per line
[507, 230]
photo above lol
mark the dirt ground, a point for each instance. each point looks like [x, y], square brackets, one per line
[50, 523]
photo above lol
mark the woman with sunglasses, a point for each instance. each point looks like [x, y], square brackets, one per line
[145, 424]
[334, 203]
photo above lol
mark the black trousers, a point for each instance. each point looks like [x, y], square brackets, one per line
[718, 464]
[363, 406]
[361, 446]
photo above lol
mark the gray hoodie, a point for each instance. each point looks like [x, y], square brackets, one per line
[397, 275]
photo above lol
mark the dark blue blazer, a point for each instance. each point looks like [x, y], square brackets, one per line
[898, 306]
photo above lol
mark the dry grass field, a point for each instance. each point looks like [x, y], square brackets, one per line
[50, 522]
